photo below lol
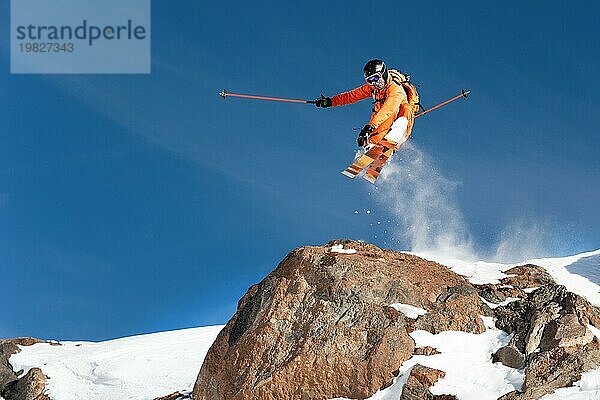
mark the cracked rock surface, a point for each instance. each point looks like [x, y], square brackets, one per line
[321, 326]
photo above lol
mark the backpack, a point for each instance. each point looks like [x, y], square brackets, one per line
[402, 80]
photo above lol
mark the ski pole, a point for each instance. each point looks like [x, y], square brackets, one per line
[225, 94]
[464, 94]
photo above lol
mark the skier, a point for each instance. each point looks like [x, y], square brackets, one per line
[393, 114]
[396, 104]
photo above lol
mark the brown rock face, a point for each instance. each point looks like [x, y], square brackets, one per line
[29, 387]
[320, 325]
[419, 381]
[456, 309]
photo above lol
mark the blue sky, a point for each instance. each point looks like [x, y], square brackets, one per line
[139, 203]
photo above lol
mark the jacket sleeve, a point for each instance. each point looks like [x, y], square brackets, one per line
[352, 96]
[395, 98]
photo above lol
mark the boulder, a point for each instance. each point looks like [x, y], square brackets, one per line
[457, 308]
[320, 326]
[7, 375]
[519, 278]
[548, 317]
[30, 387]
[509, 356]
[527, 276]
[559, 367]
[419, 381]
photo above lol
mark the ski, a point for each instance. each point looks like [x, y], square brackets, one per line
[375, 169]
[374, 153]
[363, 161]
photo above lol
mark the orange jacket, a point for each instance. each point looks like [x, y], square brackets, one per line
[390, 104]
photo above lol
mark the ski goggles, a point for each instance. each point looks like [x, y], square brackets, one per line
[373, 79]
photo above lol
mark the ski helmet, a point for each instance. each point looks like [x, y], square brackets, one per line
[376, 73]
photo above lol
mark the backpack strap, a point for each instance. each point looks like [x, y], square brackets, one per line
[403, 80]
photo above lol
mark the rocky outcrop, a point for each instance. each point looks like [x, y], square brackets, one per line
[425, 351]
[549, 317]
[457, 308]
[320, 325]
[29, 387]
[551, 339]
[519, 279]
[527, 276]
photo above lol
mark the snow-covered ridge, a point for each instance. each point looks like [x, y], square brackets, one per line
[137, 368]
[557, 267]
[481, 272]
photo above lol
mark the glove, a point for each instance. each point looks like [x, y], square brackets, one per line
[364, 134]
[323, 102]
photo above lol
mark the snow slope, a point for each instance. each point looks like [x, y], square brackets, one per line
[136, 368]
[147, 366]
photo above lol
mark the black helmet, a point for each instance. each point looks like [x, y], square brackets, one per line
[376, 73]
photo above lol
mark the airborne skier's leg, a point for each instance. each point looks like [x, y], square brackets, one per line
[377, 145]
[395, 138]
[399, 131]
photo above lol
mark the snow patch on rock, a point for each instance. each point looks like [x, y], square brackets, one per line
[505, 302]
[408, 310]
[477, 272]
[339, 248]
